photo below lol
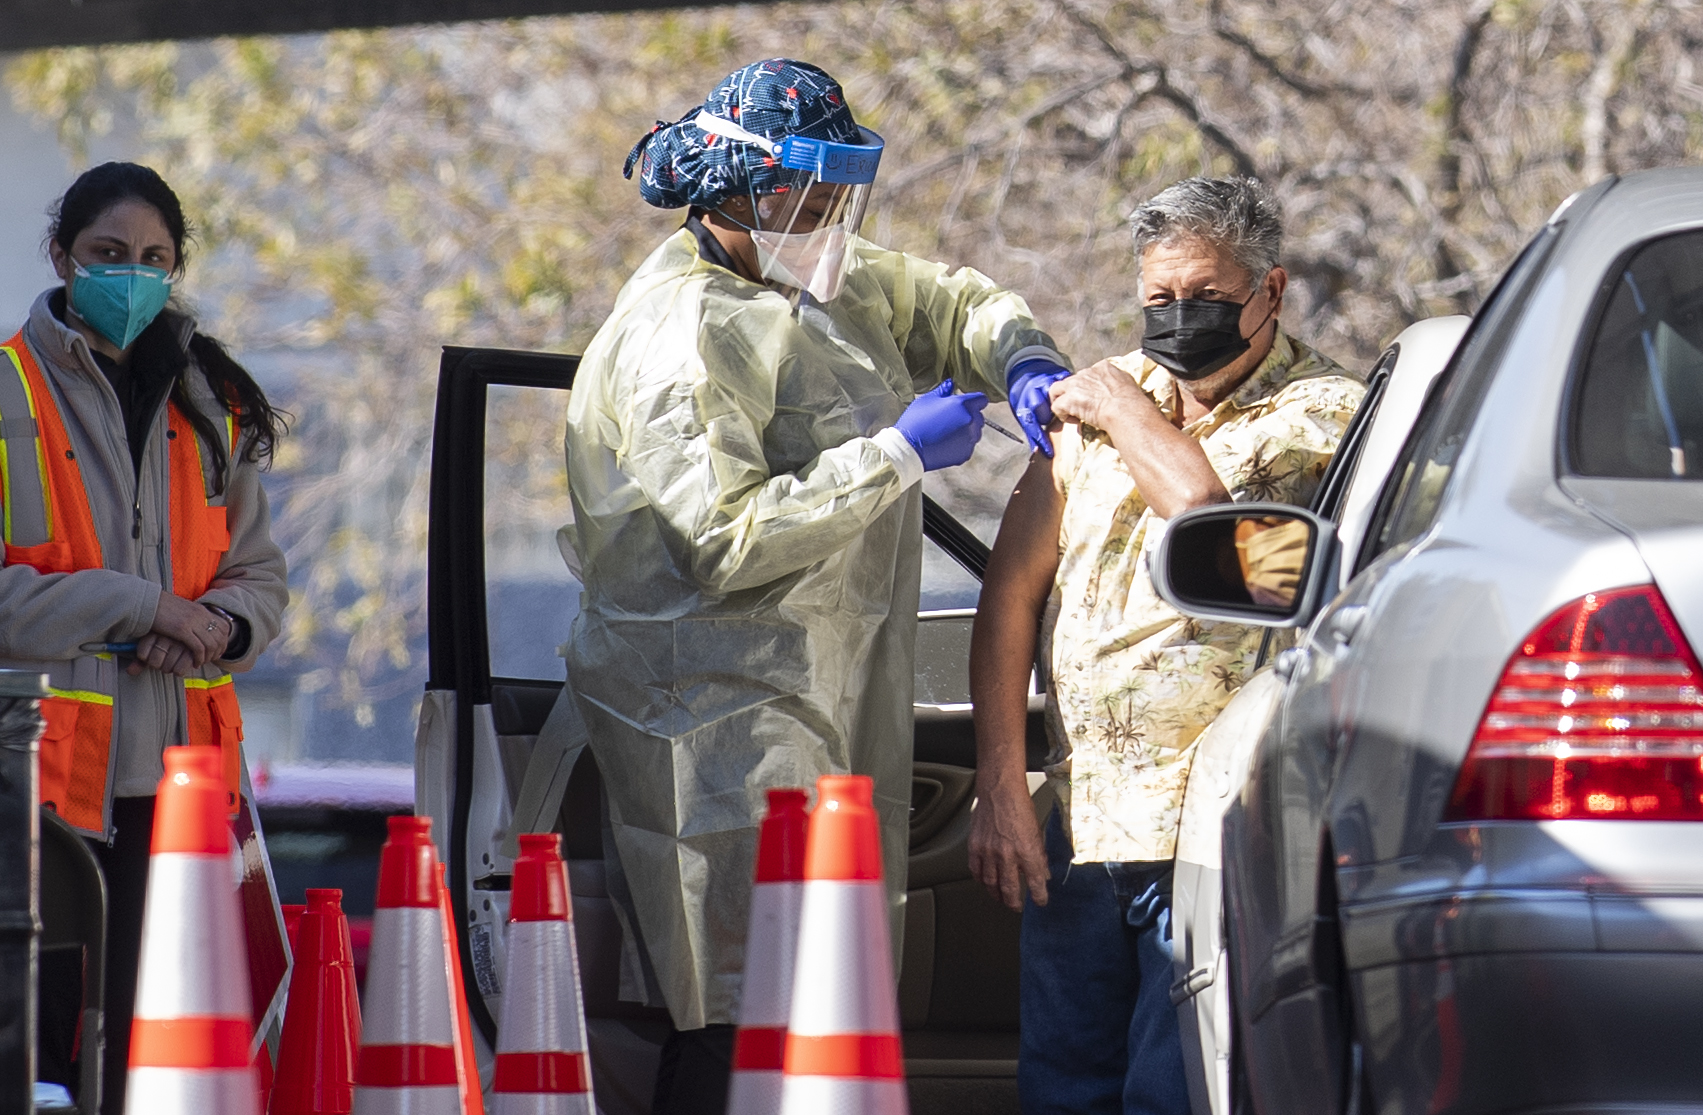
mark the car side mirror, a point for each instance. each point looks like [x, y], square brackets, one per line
[1258, 563]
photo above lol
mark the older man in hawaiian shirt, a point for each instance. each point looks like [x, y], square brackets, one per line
[1220, 404]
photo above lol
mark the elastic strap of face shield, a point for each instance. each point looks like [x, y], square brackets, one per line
[727, 129]
[839, 163]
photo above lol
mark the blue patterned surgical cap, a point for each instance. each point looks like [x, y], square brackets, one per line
[680, 164]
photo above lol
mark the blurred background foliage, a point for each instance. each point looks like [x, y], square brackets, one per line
[366, 197]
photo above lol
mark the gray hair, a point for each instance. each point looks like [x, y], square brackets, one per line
[1239, 215]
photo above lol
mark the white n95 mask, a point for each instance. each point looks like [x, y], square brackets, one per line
[813, 261]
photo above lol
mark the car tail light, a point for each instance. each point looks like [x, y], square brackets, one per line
[1599, 714]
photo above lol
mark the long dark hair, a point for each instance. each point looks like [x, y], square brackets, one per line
[99, 189]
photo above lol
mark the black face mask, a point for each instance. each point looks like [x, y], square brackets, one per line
[1193, 337]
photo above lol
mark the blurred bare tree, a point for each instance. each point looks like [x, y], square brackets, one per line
[367, 197]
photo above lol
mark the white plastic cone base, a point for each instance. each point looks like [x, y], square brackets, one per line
[407, 1101]
[542, 1009]
[770, 950]
[755, 1093]
[157, 1091]
[512, 1103]
[406, 1001]
[193, 960]
[832, 1095]
[844, 983]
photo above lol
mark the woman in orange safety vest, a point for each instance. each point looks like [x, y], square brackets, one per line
[140, 571]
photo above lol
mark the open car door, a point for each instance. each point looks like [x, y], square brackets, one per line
[500, 601]
[476, 724]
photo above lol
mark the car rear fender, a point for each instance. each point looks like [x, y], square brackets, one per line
[1664, 519]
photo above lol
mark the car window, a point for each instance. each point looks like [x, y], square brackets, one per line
[1414, 492]
[975, 494]
[531, 598]
[943, 657]
[945, 583]
[1638, 410]
[1333, 487]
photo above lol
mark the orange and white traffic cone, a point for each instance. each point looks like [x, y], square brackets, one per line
[541, 1051]
[322, 1027]
[771, 946]
[189, 1042]
[842, 1042]
[466, 1061]
[408, 1059]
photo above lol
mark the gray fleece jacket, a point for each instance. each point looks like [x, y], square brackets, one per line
[45, 618]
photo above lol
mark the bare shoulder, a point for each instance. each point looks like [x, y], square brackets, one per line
[1062, 465]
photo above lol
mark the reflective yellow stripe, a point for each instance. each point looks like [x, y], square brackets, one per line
[204, 683]
[40, 456]
[88, 696]
[5, 459]
[200, 461]
[5, 491]
[201, 455]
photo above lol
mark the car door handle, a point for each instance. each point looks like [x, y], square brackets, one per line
[1346, 623]
[1191, 985]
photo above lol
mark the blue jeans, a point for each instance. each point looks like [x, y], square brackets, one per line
[1099, 1033]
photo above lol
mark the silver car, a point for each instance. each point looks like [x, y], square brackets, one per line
[1464, 872]
[1396, 389]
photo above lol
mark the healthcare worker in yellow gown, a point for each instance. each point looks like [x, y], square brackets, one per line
[745, 442]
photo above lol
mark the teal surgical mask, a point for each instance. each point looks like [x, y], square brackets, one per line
[119, 300]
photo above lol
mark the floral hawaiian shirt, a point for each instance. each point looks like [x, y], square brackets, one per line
[1132, 682]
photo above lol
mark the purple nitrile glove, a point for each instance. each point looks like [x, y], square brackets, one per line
[1026, 386]
[943, 427]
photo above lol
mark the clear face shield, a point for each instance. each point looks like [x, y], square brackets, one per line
[803, 234]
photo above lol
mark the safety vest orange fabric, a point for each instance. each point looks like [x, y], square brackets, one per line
[76, 746]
